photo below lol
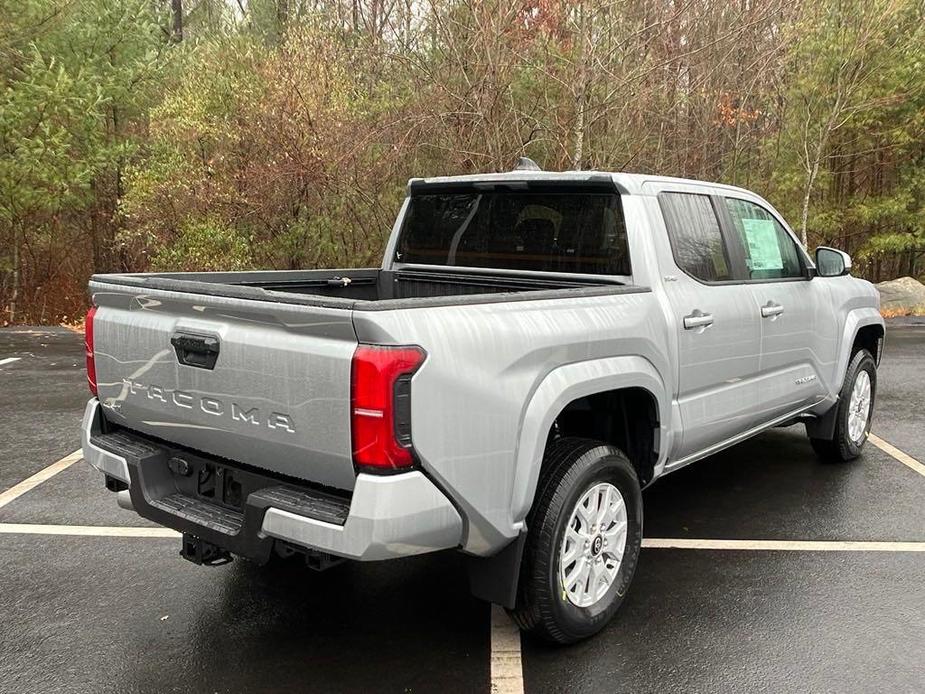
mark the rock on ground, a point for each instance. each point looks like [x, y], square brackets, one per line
[902, 296]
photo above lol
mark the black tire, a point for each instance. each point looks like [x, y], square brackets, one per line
[572, 466]
[841, 447]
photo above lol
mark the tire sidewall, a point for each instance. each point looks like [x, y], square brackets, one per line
[601, 464]
[862, 361]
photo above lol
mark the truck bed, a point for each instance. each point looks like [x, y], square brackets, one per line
[368, 288]
[255, 367]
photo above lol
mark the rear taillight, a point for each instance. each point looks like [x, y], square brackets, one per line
[380, 405]
[88, 349]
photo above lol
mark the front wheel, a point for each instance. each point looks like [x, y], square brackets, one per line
[855, 411]
[585, 534]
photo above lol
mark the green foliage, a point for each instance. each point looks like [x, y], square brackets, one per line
[281, 133]
[204, 244]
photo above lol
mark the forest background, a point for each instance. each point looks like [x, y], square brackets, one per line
[232, 134]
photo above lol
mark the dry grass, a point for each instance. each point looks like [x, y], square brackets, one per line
[902, 312]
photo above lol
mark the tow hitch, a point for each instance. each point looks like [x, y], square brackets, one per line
[204, 553]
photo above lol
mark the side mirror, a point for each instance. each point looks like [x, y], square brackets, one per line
[831, 262]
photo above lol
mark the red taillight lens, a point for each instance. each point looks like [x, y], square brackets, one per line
[380, 405]
[88, 349]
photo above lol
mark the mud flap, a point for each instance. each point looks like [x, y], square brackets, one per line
[823, 427]
[495, 578]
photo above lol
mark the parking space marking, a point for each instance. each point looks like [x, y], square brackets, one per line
[503, 631]
[784, 545]
[507, 673]
[893, 451]
[18, 490]
[84, 530]
[9, 360]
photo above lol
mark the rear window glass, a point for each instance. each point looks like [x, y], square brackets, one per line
[696, 240]
[551, 232]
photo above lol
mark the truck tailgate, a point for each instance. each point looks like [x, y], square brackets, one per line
[277, 396]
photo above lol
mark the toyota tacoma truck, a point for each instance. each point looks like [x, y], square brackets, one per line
[535, 349]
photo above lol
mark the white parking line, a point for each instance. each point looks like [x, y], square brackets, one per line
[892, 450]
[784, 545]
[507, 673]
[503, 632]
[9, 360]
[18, 490]
[84, 530]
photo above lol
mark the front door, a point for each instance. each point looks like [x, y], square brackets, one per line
[798, 331]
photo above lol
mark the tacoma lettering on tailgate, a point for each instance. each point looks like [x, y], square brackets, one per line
[210, 405]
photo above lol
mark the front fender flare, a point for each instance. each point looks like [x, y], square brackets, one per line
[857, 318]
[560, 387]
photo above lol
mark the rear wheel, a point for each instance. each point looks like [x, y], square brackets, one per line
[585, 534]
[855, 411]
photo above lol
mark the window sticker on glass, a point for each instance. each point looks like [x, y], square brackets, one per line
[761, 239]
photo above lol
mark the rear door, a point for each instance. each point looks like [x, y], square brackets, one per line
[716, 322]
[798, 332]
[261, 383]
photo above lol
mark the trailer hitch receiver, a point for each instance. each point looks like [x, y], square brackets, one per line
[198, 551]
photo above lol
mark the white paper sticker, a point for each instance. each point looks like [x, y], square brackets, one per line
[761, 239]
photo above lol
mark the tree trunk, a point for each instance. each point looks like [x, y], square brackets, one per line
[176, 7]
[812, 172]
[578, 130]
[807, 193]
[16, 275]
[282, 15]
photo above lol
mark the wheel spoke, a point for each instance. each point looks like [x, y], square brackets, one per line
[575, 574]
[604, 510]
[594, 578]
[594, 506]
[613, 511]
[582, 580]
[586, 515]
[574, 536]
[613, 534]
[616, 540]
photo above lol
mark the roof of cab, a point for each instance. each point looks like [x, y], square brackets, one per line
[630, 183]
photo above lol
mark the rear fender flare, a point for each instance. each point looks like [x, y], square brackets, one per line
[560, 387]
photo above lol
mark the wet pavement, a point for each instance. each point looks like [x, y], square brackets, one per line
[120, 614]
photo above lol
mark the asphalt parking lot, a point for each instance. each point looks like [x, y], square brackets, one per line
[88, 606]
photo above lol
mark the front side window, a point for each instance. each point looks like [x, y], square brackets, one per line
[770, 252]
[575, 232]
[696, 240]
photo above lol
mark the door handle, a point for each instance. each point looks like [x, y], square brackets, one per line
[770, 310]
[698, 319]
[200, 351]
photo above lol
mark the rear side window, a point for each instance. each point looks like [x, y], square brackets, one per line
[770, 252]
[696, 240]
[576, 232]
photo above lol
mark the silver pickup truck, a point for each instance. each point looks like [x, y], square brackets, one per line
[535, 349]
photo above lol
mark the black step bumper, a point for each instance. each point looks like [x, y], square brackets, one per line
[212, 499]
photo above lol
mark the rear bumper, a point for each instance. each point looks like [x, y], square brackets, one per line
[386, 517]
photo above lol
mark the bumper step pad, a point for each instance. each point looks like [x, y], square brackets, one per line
[201, 512]
[318, 505]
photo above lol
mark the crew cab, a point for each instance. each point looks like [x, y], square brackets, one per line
[535, 349]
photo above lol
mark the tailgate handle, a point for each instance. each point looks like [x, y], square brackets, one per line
[200, 351]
